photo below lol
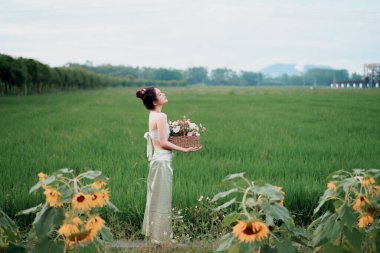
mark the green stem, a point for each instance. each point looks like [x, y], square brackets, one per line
[75, 180]
[62, 181]
[341, 239]
[243, 204]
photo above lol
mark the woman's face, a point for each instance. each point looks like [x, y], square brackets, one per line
[161, 97]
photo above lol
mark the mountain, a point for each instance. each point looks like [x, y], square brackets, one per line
[279, 69]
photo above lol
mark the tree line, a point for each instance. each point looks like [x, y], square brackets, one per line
[222, 76]
[22, 76]
[28, 76]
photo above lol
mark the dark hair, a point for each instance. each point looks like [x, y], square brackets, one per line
[148, 96]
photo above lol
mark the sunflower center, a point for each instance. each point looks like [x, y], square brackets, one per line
[80, 198]
[249, 230]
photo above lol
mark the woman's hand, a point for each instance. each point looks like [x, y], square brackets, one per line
[193, 149]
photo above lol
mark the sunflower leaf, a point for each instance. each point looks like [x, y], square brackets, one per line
[348, 183]
[112, 206]
[323, 199]
[235, 248]
[285, 247]
[225, 242]
[347, 215]
[354, 238]
[227, 204]
[106, 234]
[331, 248]
[35, 187]
[30, 210]
[16, 248]
[50, 218]
[45, 244]
[91, 174]
[267, 190]
[232, 176]
[278, 212]
[230, 218]
[223, 194]
[66, 170]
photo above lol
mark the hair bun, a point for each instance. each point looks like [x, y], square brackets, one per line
[140, 93]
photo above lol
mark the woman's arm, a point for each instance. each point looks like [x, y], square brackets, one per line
[163, 136]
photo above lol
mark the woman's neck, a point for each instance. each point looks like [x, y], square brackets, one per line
[157, 109]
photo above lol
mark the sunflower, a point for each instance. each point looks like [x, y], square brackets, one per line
[81, 201]
[81, 238]
[77, 221]
[104, 195]
[365, 220]
[42, 176]
[374, 190]
[250, 231]
[98, 184]
[332, 186]
[97, 200]
[367, 181]
[360, 202]
[96, 223]
[53, 197]
[68, 229]
[90, 236]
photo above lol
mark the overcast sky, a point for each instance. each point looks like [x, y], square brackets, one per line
[238, 34]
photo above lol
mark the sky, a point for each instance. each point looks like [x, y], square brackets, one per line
[238, 34]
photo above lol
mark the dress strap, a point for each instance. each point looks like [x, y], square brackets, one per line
[149, 146]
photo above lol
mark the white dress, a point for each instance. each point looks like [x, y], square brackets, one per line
[157, 216]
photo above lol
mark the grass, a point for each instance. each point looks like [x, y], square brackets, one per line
[291, 137]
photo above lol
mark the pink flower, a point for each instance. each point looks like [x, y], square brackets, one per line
[180, 122]
[190, 134]
[187, 122]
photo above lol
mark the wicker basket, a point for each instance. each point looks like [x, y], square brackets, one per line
[185, 141]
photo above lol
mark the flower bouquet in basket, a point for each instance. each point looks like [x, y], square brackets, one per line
[185, 133]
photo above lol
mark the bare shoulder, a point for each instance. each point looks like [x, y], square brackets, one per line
[162, 116]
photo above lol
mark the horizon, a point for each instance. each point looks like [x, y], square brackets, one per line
[244, 35]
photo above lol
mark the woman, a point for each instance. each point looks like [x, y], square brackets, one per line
[157, 217]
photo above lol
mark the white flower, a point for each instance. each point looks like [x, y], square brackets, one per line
[192, 126]
[200, 198]
[197, 134]
[176, 129]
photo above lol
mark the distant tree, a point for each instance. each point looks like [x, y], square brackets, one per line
[12, 71]
[355, 76]
[295, 80]
[167, 74]
[223, 76]
[325, 76]
[248, 78]
[285, 79]
[196, 75]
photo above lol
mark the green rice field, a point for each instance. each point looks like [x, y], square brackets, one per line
[290, 137]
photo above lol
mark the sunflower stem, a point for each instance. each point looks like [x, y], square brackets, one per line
[63, 181]
[341, 239]
[243, 203]
[75, 185]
